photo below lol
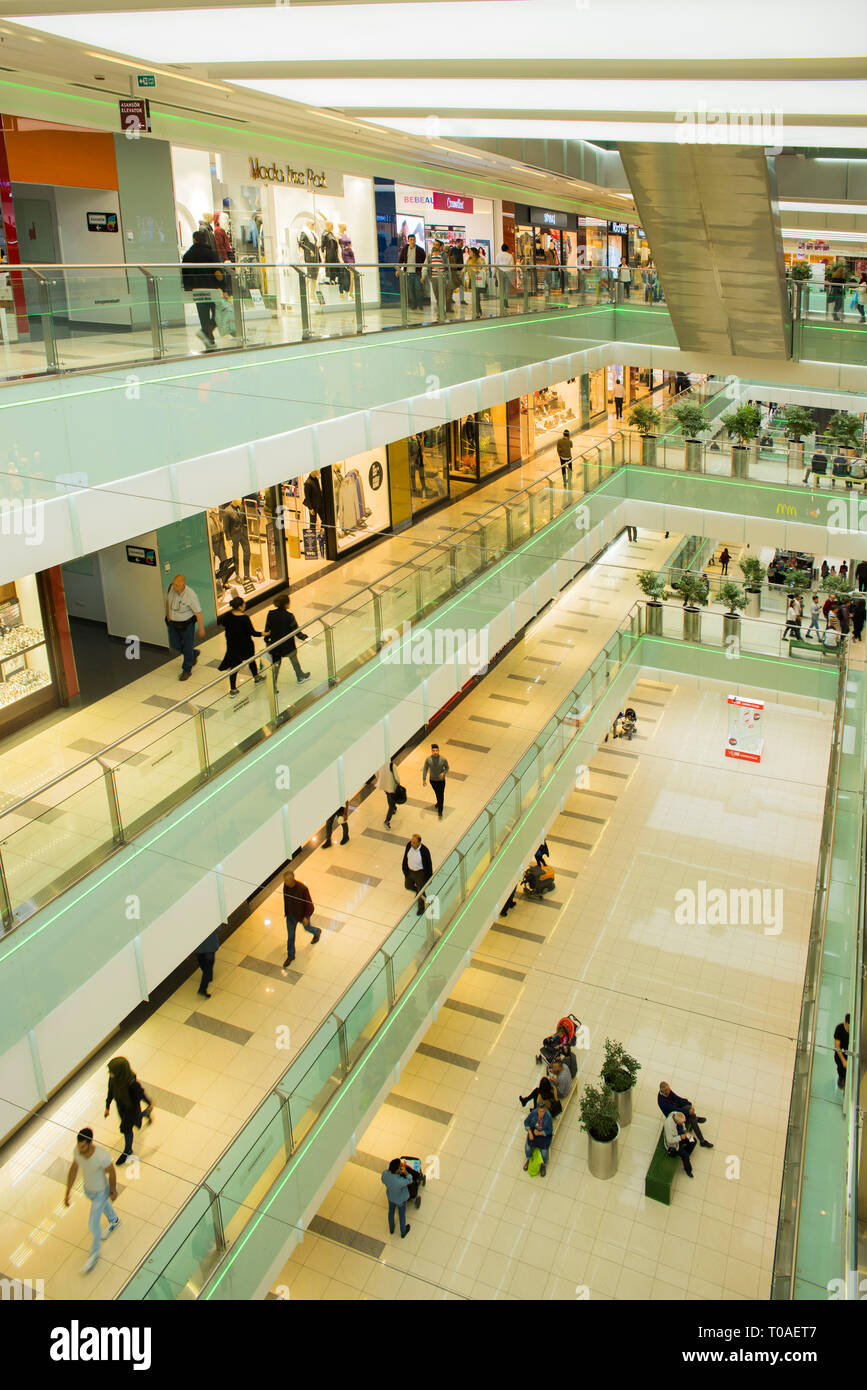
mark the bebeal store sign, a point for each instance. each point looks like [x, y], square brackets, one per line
[452, 202]
[284, 173]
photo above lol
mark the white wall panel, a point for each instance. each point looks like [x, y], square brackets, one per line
[87, 1016]
[18, 1089]
[341, 438]
[208, 481]
[179, 932]
[281, 456]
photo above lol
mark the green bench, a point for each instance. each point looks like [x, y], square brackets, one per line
[660, 1174]
[815, 649]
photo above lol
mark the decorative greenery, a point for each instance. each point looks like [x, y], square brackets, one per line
[693, 590]
[597, 1108]
[753, 571]
[733, 596]
[743, 424]
[798, 423]
[619, 1070]
[797, 580]
[833, 584]
[644, 418]
[691, 420]
[652, 585]
[801, 270]
[845, 429]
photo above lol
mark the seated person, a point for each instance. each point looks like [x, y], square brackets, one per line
[562, 1079]
[544, 1094]
[840, 466]
[859, 470]
[677, 1141]
[540, 1129]
[668, 1102]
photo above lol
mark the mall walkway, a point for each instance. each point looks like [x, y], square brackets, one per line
[712, 1009]
[209, 1063]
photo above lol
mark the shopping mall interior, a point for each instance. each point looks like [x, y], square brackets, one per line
[500, 383]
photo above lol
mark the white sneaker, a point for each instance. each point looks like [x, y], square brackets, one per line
[89, 1264]
[112, 1226]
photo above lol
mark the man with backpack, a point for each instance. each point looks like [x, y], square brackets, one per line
[564, 453]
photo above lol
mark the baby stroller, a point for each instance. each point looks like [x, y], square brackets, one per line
[537, 881]
[558, 1048]
[624, 724]
[419, 1179]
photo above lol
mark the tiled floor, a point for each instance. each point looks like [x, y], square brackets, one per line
[711, 1008]
[210, 1062]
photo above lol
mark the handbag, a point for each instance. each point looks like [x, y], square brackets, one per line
[535, 1163]
[400, 795]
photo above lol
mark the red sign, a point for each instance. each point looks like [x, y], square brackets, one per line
[135, 114]
[452, 202]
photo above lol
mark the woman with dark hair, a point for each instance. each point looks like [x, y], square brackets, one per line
[127, 1092]
[239, 643]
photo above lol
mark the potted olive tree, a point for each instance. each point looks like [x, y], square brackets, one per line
[597, 1108]
[797, 580]
[735, 600]
[694, 592]
[798, 424]
[646, 421]
[620, 1073]
[742, 426]
[846, 430]
[692, 421]
[652, 585]
[754, 573]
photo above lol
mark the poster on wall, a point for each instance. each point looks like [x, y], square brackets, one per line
[745, 729]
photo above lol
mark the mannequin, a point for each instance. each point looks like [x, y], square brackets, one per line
[235, 530]
[205, 225]
[346, 275]
[330, 253]
[313, 499]
[309, 249]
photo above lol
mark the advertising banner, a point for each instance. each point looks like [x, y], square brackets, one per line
[745, 729]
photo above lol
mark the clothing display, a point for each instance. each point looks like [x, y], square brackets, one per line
[349, 502]
[347, 256]
[309, 251]
[223, 244]
[330, 254]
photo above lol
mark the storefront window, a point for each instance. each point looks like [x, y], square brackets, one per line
[598, 403]
[245, 546]
[557, 408]
[24, 662]
[429, 467]
[303, 524]
[360, 497]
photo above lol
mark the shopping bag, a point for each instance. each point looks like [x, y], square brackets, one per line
[400, 795]
[225, 315]
[535, 1163]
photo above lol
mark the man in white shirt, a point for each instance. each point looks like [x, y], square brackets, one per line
[677, 1141]
[100, 1188]
[417, 869]
[618, 394]
[183, 613]
[624, 275]
[505, 263]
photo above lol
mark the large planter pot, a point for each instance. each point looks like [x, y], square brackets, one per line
[731, 626]
[740, 461]
[624, 1107]
[653, 619]
[692, 624]
[692, 455]
[602, 1158]
[648, 450]
[754, 603]
[795, 454]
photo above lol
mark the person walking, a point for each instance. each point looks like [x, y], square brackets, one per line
[844, 571]
[724, 559]
[439, 272]
[624, 275]
[861, 575]
[436, 768]
[456, 253]
[100, 1188]
[127, 1092]
[388, 782]
[857, 611]
[297, 907]
[205, 955]
[815, 613]
[341, 815]
[417, 869]
[397, 1180]
[239, 632]
[202, 278]
[618, 393]
[183, 615]
[564, 453]
[505, 270]
[841, 1051]
[793, 618]
[632, 533]
[410, 263]
[282, 632]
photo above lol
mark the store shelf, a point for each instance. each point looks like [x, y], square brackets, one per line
[22, 651]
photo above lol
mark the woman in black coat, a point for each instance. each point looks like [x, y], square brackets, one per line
[127, 1092]
[239, 642]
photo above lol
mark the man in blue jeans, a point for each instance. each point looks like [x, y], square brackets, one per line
[183, 615]
[297, 907]
[398, 1181]
[100, 1188]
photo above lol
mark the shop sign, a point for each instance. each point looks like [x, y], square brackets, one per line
[284, 173]
[141, 555]
[135, 114]
[145, 79]
[412, 199]
[640, 231]
[102, 221]
[544, 217]
[452, 202]
[618, 228]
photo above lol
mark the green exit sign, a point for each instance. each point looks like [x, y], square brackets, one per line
[146, 79]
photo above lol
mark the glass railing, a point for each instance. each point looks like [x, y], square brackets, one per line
[824, 301]
[234, 1196]
[63, 318]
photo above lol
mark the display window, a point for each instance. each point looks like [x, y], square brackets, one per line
[359, 488]
[593, 235]
[330, 241]
[246, 548]
[598, 400]
[25, 665]
[556, 408]
[481, 444]
[302, 521]
[428, 467]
